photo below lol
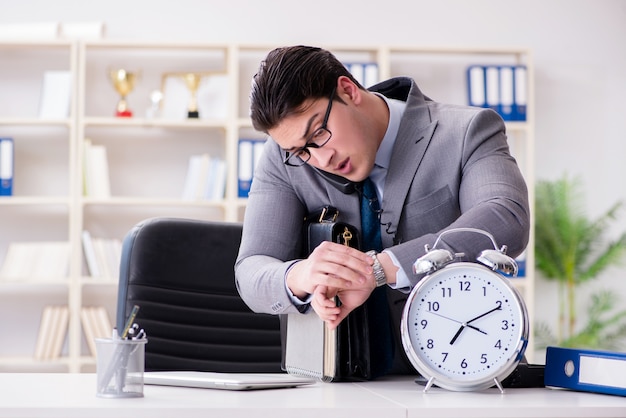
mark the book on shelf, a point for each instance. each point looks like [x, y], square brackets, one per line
[52, 332]
[366, 73]
[249, 153]
[521, 265]
[499, 87]
[36, 261]
[102, 256]
[29, 31]
[96, 171]
[6, 166]
[56, 92]
[96, 323]
[206, 178]
[82, 30]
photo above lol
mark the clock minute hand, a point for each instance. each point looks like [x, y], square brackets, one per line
[497, 308]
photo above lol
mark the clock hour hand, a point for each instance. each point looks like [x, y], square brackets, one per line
[461, 328]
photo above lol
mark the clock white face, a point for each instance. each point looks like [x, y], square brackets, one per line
[464, 324]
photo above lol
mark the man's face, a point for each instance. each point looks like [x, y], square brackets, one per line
[351, 149]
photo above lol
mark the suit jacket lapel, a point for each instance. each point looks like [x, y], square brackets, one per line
[414, 136]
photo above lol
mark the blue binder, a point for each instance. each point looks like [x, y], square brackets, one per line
[6, 166]
[502, 88]
[366, 73]
[507, 92]
[586, 370]
[520, 81]
[249, 152]
[476, 89]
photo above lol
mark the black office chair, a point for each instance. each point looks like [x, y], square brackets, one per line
[180, 272]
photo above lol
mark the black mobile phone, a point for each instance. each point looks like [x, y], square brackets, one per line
[341, 183]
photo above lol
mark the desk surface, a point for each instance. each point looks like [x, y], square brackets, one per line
[73, 395]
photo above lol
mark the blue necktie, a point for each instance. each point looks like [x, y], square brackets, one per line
[381, 339]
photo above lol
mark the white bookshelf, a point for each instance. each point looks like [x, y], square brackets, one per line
[148, 158]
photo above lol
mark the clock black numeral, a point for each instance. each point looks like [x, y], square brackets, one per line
[465, 286]
[446, 291]
[430, 344]
[498, 344]
[445, 356]
[423, 323]
[505, 324]
[433, 306]
[483, 359]
[463, 364]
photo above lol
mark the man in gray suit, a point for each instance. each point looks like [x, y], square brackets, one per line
[435, 167]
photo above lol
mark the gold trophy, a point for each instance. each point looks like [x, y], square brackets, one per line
[124, 82]
[192, 80]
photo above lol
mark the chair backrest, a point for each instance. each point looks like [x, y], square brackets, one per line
[181, 274]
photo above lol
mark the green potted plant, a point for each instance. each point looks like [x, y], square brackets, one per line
[572, 249]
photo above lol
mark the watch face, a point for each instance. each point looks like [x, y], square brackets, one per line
[464, 325]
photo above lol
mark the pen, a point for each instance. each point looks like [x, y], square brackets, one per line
[130, 320]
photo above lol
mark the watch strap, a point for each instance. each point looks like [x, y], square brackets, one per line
[379, 273]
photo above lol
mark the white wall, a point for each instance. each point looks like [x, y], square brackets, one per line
[580, 61]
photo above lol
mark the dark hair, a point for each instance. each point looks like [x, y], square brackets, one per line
[287, 77]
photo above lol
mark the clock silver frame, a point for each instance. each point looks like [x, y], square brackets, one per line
[494, 378]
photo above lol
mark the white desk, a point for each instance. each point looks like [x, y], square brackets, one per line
[73, 395]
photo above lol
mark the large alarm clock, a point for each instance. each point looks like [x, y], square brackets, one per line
[464, 326]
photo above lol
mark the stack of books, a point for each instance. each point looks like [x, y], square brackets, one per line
[36, 261]
[96, 324]
[103, 256]
[206, 178]
[52, 332]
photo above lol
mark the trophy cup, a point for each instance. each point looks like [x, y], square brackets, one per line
[124, 82]
[192, 80]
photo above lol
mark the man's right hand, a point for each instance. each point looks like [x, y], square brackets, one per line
[331, 265]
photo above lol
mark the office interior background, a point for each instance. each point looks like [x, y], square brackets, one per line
[578, 48]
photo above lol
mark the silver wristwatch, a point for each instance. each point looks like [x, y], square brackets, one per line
[379, 273]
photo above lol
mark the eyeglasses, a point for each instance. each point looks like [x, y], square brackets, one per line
[317, 139]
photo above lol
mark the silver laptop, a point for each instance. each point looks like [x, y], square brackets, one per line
[227, 381]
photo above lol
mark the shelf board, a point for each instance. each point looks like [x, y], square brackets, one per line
[98, 281]
[25, 44]
[30, 285]
[159, 46]
[443, 50]
[517, 126]
[34, 200]
[34, 121]
[154, 123]
[139, 201]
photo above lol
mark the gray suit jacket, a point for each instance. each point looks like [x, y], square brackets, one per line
[450, 167]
